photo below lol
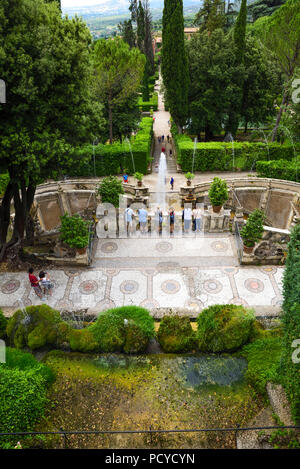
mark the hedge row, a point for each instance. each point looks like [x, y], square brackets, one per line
[218, 156]
[112, 159]
[146, 106]
[280, 169]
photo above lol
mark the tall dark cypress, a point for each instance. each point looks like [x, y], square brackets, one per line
[240, 32]
[174, 62]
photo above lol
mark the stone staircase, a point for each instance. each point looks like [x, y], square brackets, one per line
[171, 165]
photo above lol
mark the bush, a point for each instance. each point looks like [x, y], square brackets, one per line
[110, 158]
[263, 358]
[4, 180]
[74, 231]
[146, 106]
[290, 369]
[35, 327]
[280, 169]
[83, 340]
[110, 189]
[253, 230]
[3, 324]
[175, 334]
[224, 328]
[114, 335]
[218, 192]
[217, 156]
[23, 384]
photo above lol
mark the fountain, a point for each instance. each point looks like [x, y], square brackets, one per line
[229, 138]
[161, 182]
[194, 152]
[130, 149]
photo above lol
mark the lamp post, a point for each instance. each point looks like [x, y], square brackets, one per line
[95, 142]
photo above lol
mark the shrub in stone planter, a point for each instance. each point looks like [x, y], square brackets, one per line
[253, 230]
[218, 193]
[74, 231]
[175, 334]
[110, 189]
[35, 327]
[136, 340]
[224, 328]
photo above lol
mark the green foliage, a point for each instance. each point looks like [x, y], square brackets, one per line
[82, 340]
[280, 169]
[211, 15]
[118, 73]
[174, 63]
[253, 230]
[114, 334]
[175, 334]
[35, 327]
[239, 33]
[138, 176]
[23, 383]
[112, 159]
[263, 358]
[224, 328]
[146, 106]
[4, 180]
[110, 189]
[291, 323]
[218, 192]
[3, 324]
[74, 231]
[189, 175]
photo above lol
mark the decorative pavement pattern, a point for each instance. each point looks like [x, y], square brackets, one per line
[154, 274]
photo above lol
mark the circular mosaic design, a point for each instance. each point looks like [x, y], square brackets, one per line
[219, 246]
[213, 286]
[11, 286]
[109, 247]
[149, 304]
[88, 287]
[170, 286]
[254, 285]
[129, 286]
[238, 301]
[164, 246]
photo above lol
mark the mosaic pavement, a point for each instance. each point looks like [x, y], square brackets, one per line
[154, 274]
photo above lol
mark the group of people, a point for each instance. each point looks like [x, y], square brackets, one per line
[189, 217]
[161, 139]
[42, 286]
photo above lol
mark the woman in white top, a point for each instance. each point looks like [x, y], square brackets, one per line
[197, 214]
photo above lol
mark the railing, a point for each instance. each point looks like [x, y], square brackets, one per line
[65, 433]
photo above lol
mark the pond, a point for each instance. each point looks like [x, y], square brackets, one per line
[115, 392]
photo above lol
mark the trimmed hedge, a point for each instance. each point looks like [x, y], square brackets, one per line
[110, 158]
[224, 328]
[146, 106]
[217, 156]
[280, 169]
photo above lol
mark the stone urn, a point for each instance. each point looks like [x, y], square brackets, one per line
[140, 183]
[81, 251]
[188, 182]
[247, 249]
[216, 208]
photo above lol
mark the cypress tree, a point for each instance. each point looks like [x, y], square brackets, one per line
[240, 32]
[174, 62]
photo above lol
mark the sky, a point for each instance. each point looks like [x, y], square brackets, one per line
[79, 3]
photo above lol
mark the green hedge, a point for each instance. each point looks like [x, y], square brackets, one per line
[146, 106]
[175, 334]
[110, 158]
[280, 169]
[218, 156]
[23, 387]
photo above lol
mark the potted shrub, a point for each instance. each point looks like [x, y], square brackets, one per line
[110, 190]
[218, 194]
[74, 232]
[139, 178]
[189, 176]
[253, 230]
